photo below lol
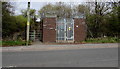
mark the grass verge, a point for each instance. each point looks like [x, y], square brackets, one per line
[13, 43]
[102, 40]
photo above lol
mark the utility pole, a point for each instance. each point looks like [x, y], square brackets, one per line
[28, 22]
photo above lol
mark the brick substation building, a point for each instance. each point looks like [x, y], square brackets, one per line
[55, 29]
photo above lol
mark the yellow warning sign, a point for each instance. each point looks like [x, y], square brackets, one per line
[69, 28]
[28, 23]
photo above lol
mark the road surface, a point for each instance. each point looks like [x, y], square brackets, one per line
[93, 57]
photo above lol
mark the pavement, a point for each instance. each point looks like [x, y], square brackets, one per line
[47, 47]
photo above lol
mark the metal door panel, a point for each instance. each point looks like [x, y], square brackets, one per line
[65, 29]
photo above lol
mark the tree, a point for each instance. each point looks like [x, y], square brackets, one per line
[60, 9]
[83, 9]
[96, 19]
[32, 17]
[114, 21]
[20, 23]
[32, 13]
[7, 19]
[11, 25]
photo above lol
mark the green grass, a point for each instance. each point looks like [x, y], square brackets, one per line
[102, 40]
[0, 43]
[13, 43]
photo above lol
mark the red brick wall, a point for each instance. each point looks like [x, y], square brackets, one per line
[79, 30]
[49, 32]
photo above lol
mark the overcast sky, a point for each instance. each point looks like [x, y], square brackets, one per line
[23, 5]
[38, 4]
[33, 5]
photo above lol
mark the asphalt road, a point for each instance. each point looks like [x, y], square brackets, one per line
[100, 57]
